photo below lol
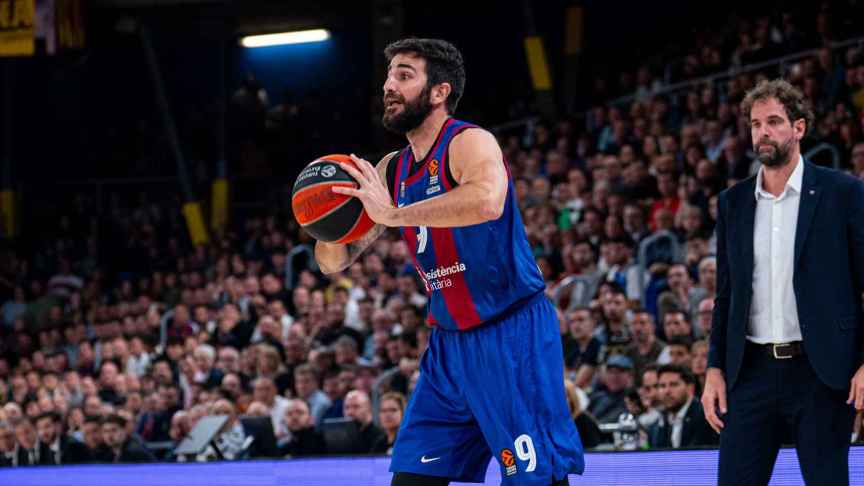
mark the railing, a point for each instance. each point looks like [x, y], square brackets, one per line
[686, 85]
[736, 70]
[825, 147]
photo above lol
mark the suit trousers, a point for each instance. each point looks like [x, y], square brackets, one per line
[776, 401]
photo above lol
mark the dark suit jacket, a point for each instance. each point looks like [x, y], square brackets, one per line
[24, 458]
[71, 452]
[828, 274]
[133, 452]
[695, 432]
[305, 442]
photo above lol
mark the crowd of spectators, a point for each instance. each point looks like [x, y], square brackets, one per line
[117, 336]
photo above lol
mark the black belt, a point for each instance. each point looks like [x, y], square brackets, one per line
[780, 351]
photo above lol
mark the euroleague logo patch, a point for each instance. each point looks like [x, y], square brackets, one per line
[433, 167]
[508, 461]
[328, 171]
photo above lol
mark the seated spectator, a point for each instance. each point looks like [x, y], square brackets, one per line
[645, 348]
[682, 295]
[679, 351]
[391, 409]
[683, 422]
[335, 391]
[581, 348]
[676, 323]
[306, 385]
[28, 444]
[649, 397]
[607, 401]
[56, 448]
[708, 276]
[586, 424]
[615, 332]
[359, 408]
[8, 449]
[699, 363]
[180, 426]
[706, 309]
[269, 364]
[264, 392]
[206, 374]
[303, 440]
[122, 448]
[97, 450]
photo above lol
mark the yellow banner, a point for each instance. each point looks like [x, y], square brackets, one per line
[16, 27]
[195, 223]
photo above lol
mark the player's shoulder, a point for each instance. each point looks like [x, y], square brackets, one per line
[472, 136]
[470, 130]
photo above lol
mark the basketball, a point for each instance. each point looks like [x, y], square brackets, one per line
[327, 216]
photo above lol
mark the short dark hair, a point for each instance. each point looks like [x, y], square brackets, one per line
[115, 419]
[789, 96]
[409, 338]
[54, 416]
[443, 64]
[680, 341]
[677, 310]
[685, 374]
[92, 419]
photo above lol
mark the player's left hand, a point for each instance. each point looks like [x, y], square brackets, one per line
[856, 392]
[372, 191]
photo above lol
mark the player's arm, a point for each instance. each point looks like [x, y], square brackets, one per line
[334, 257]
[477, 164]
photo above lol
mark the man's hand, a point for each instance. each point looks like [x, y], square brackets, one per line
[856, 391]
[714, 394]
[372, 191]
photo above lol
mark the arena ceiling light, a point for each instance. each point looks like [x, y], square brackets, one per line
[283, 38]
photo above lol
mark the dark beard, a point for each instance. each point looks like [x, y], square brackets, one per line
[412, 116]
[779, 157]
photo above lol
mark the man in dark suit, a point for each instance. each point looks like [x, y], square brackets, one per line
[123, 448]
[56, 448]
[8, 451]
[786, 333]
[28, 444]
[683, 422]
[305, 440]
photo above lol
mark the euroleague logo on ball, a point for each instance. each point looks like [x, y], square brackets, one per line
[328, 171]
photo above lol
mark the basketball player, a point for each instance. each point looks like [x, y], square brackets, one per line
[491, 380]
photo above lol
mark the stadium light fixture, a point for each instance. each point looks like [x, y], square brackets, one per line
[283, 38]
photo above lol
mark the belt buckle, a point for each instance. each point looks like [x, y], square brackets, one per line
[774, 348]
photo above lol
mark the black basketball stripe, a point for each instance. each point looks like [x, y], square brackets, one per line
[354, 226]
[336, 224]
[322, 183]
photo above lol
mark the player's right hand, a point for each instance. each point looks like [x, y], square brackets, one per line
[714, 398]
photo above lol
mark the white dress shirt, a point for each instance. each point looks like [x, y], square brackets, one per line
[677, 422]
[774, 310]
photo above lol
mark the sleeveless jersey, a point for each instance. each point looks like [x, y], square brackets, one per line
[473, 274]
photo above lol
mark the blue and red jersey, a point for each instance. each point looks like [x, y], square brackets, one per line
[473, 274]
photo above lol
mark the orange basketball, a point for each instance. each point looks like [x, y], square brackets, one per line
[327, 216]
